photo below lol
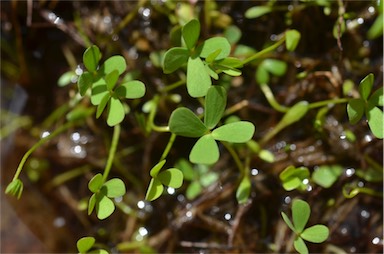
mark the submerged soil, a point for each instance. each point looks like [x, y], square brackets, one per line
[42, 42]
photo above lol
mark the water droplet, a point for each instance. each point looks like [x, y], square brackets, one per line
[290, 7]
[227, 216]
[305, 181]
[45, 134]
[371, 9]
[75, 136]
[171, 190]
[199, 110]
[189, 214]
[360, 184]
[365, 214]
[59, 222]
[254, 172]
[143, 231]
[79, 70]
[360, 21]
[349, 172]
[368, 138]
[273, 37]
[141, 204]
[376, 240]
[115, 37]
[287, 200]
[118, 199]
[292, 147]
[281, 145]
[107, 19]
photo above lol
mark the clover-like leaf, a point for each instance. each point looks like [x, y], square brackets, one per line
[111, 79]
[91, 58]
[377, 98]
[95, 183]
[295, 113]
[292, 39]
[114, 188]
[300, 214]
[365, 86]
[236, 132]
[243, 191]
[185, 123]
[186, 167]
[205, 151]
[315, 234]
[375, 120]
[91, 203]
[131, 90]
[193, 190]
[156, 169]
[287, 221]
[233, 34]
[211, 57]
[293, 177]
[191, 32]
[15, 188]
[212, 44]
[300, 246]
[103, 103]
[85, 244]
[104, 206]
[275, 66]
[355, 110]
[114, 63]
[85, 81]
[215, 103]
[326, 175]
[198, 79]
[174, 58]
[116, 112]
[257, 11]
[154, 190]
[262, 75]
[99, 90]
[171, 177]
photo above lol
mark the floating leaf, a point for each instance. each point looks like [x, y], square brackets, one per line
[243, 191]
[292, 39]
[315, 234]
[85, 81]
[198, 80]
[95, 183]
[114, 188]
[375, 120]
[211, 45]
[114, 63]
[300, 246]
[191, 32]
[365, 86]
[185, 123]
[174, 58]
[85, 244]
[155, 190]
[131, 90]
[215, 103]
[257, 11]
[91, 58]
[300, 214]
[327, 175]
[171, 177]
[205, 151]
[236, 132]
[104, 206]
[116, 112]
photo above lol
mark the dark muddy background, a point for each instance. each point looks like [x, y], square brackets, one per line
[41, 40]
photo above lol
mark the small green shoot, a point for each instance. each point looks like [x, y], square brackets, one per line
[86, 244]
[15, 188]
[294, 178]
[300, 215]
[327, 175]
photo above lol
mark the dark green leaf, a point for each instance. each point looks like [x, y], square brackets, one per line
[243, 191]
[116, 112]
[237, 132]
[315, 234]
[198, 79]
[377, 98]
[205, 151]
[85, 81]
[95, 183]
[174, 58]
[171, 177]
[370, 175]
[156, 169]
[191, 32]
[300, 214]
[114, 188]
[91, 58]
[292, 39]
[104, 207]
[211, 45]
[131, 90]
[327, 175]
[355, 110]
[300, 246]
[215, 103]
[91, 203]
[114, 63]
[375, 120]
[154, 190]
[365, 86]
[85, 244]
[257, 11]
[185, 123]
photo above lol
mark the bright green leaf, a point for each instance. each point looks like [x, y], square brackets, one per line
[211, 72]
[295, 113]
[377, 98]
[104, 207]
[116, 112]
[232, 72]
[212, 56]
[66, 78]
[211, 45]
[292, 39]
[111, 79]
[85, 81]
[293, 177]
[267, 156]
[171, 177]
[156, 169]
[114, 63]
[114, 188]
[208, 178]
[237, 132]
[15, 188]
[287, 221]
[233, 34]
[262, 75]
[91, 203]
[230, 62]
[191, 32]
[215, 103]
[327, 175]
[300, 246]
[243, 191]
[376, 30]
[103, 103]
[315, 234]
[91, 58]
[355, 110]
[257, 11]
[95, 183]
[174, 58]
[85, 244]
[198, 79]
[188, 172]
[193, 190]
[131, 90]
[375, 120]
[300, 214]
[365, 86]
[154, 190]
[185, 123]
[99, 90]
[205, 151]
[274, 66]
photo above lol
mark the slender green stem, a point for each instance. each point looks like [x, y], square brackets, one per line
[41, 142]
[327, 102]
[234, 156]
[151, 118]
[264, 51]
[173, 86]
[68, 175]
[271, 98]
[168, 147]
[112, 151]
